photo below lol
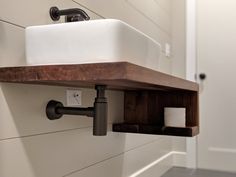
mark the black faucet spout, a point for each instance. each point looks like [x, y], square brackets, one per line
[74, 14]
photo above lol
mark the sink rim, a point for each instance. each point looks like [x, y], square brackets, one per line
[92, 21]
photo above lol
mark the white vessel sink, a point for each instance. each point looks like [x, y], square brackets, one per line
[92, 41]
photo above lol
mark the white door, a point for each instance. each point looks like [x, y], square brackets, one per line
[216, 38]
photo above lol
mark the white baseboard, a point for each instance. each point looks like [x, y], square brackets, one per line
[156, 168]
[179, 159]
[162, 165]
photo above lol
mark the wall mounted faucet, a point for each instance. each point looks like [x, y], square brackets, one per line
[55, 110]
[71, 15]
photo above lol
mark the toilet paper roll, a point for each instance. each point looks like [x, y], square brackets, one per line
[175, 117]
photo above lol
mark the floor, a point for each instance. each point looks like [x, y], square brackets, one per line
[184, 172]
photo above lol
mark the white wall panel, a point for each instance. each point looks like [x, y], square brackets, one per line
[153, 12]
[34, 12]
[12, 43]
[130, 163]
[23, 109]
[165, 5]
[60, 153]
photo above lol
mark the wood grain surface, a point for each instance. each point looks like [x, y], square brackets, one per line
[119, 75]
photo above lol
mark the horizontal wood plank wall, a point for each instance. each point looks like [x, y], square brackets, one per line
[31, 145]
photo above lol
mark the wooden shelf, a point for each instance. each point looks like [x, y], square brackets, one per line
[147, 92]
[156, 130]
[120, 75]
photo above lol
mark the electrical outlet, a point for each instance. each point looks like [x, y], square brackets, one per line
[74, 98]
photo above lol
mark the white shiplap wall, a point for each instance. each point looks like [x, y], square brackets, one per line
[31, 145]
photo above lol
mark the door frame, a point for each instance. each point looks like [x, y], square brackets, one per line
[191, 70]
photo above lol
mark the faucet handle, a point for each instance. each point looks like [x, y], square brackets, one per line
[73, 18]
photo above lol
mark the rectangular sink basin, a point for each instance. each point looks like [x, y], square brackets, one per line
[94, 41]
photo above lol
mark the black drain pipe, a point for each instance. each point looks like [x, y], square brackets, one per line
[55, 110]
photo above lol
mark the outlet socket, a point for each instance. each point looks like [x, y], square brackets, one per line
[74, 98]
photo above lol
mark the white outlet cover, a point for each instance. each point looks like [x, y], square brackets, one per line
[74, 98]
